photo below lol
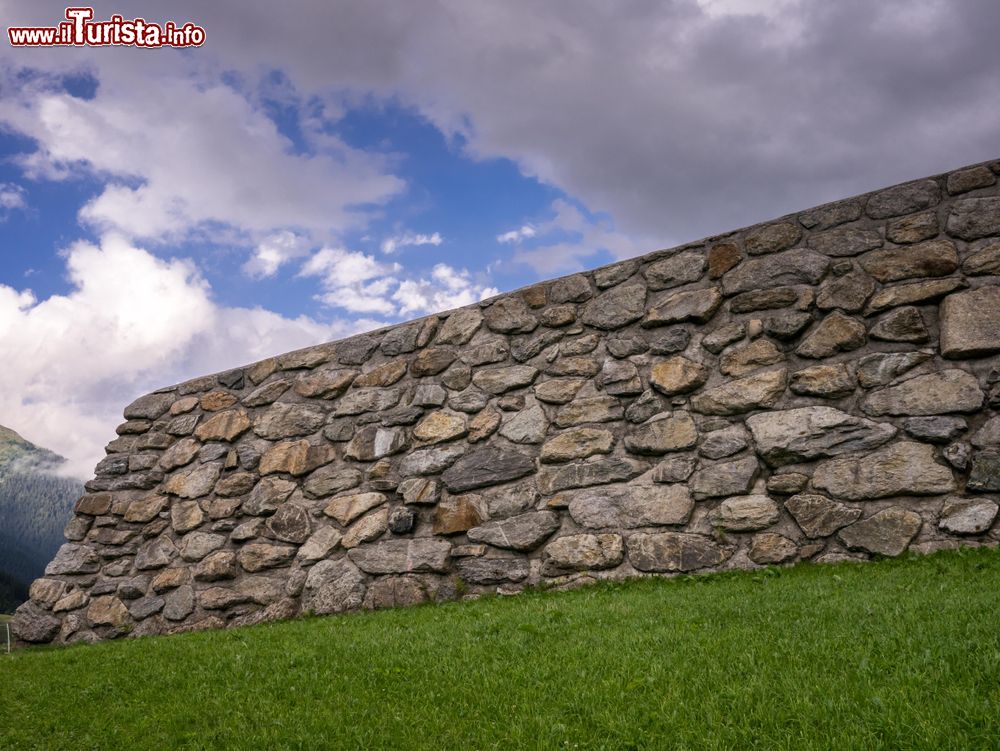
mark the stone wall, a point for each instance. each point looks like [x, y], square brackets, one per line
[821, 387]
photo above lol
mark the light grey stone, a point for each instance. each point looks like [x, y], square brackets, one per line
[898, 469]
[807, 433]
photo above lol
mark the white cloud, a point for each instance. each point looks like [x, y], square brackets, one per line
[392, 244]
[273, 252]
[12, 197]
[524, 232]
[73, 361]
[184, 155]
[446, 288]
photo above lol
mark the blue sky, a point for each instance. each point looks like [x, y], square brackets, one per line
[307, 175]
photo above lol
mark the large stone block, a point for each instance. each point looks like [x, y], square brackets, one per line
[970, 323]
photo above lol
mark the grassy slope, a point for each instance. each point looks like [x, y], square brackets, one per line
[899, 654]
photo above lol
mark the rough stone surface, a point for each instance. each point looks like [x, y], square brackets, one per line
[899, 469]
[824, 386]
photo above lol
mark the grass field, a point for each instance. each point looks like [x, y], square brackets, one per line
[901, 654]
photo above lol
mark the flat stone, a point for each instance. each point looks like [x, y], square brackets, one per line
[459, 513]
[984, 260]
[786, 326]
[771, 548]
[290, 523]
[366, 529]
[677, 468]
[400, 340]
[931, 394]
[235, 483]
[283, 420]
[903, 199]
[522, 532]
[912, 229]
[584, 552]
[831, 215]
[359, 401]
[331, 479]
[682, 268]
[985, 473]
[143, 510]
[724, 478]
[899, 469]
[156, 553]
[932, 258]
[674, 552]
[268, 495]
[669, 341]
[502, 380]
[149, 407]
[440, 426]
[675, 432]
[962, 181]
[771, 238]
[913, 293]
[593, 471]
[616, 273]
[145, 607]
[179, 454]
[717, 444]
[73, 559]
[574, 288]
[819, 516]
[577, 443]
[848, 293]
[296, 457]
[320, 544]
[889, 532]
[644, 407]
[835, 333]
[196, 545]
[620, 378]
[746, 513]
[527, 426]
[936, 429]
[717, 340]
[616, 307]
[34, 624]
[258, 556]
[558, 390]
[216, 566]
[509, 315]
[761, 390]
[356, 350]
[777, 270]
[194, 483]
[430, 461]
[346, 508]
[483, 425]
[580, 345]
[431, 361]
[588, 410]
[423, 555]
[217, 399]
[487, 466]
[324, 384]
[807, 433]
[972, 218]
[630, 505]
[492, 571]
[574, 366]
[840, 243]
[179, 604]
[768, 299]
[373, 442]
[678, 375]
[721, 258]
[786, 483]
[967, 516]
[333, 587]
[460, 326]
[224, 426]
[970, 323]
[958, 455]
[107, 611]
[824, 381]
[697, 305]
[880, 369]
[901, 325]
[758, 354]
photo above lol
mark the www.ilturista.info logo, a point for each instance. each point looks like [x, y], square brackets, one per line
[79, 30]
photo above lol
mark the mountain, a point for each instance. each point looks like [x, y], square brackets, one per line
[35, 504]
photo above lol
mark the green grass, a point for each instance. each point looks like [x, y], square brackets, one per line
[901, 654]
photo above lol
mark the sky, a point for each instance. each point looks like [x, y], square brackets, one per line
[333, 167]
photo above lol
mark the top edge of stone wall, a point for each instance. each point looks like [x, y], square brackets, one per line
[821, 217]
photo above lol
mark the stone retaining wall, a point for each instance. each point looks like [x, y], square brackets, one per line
[821, 387]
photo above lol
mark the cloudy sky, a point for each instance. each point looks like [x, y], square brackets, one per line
[342, 165]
